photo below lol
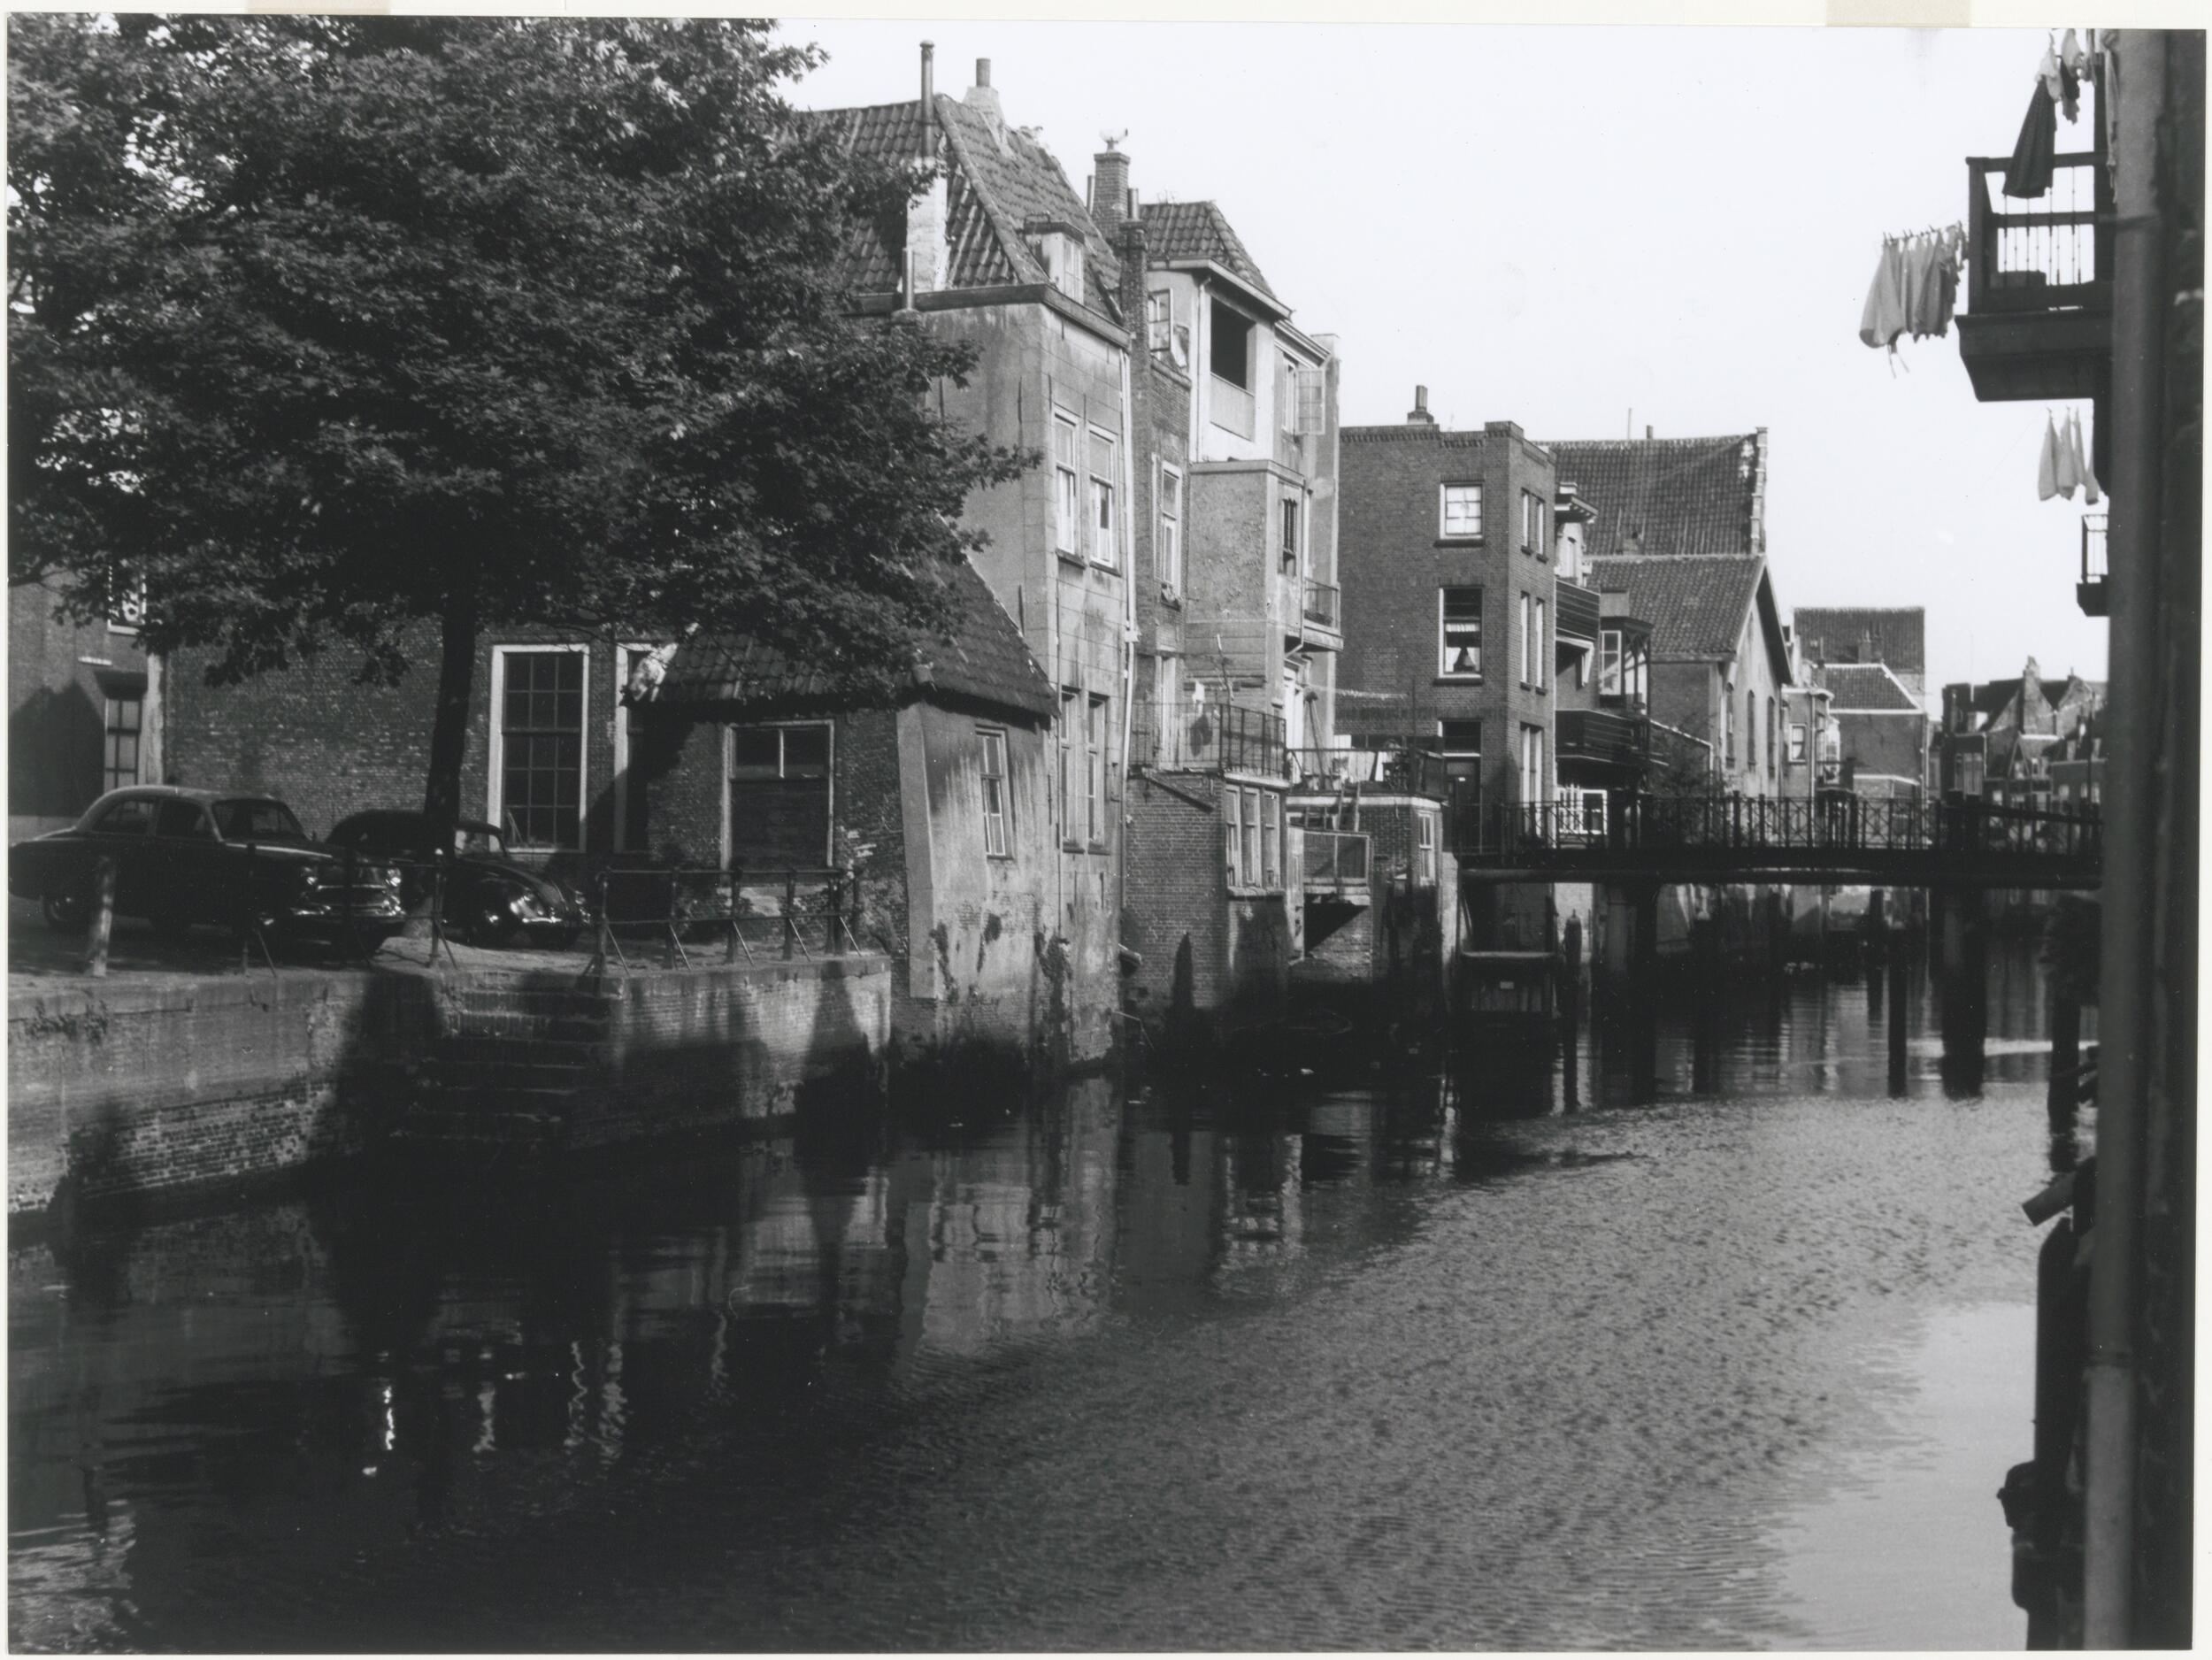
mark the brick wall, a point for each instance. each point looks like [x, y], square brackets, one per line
[1228, 952]
[57, 711]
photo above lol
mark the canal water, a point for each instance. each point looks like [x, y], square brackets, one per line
[1718, 1337]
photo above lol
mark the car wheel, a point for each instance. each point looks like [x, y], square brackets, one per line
[66, 909]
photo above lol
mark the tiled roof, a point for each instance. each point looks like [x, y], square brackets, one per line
[990, 193]
[983, 656]
[1994, 697]
[1835, 635]
[1679, 496]
[1866, 686]
[1197, 230]
[1696, 606]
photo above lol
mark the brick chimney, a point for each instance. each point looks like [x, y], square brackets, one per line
[926, 260]
[1110, 188]
[984, 101]
[1418, 415]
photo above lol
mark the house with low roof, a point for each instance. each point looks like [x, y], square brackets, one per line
[1894, 635]
[1882, 733]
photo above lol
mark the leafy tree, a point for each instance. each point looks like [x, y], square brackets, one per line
[332, 327]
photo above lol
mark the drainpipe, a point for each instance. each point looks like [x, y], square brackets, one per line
[1127, 535]
[2138, 436]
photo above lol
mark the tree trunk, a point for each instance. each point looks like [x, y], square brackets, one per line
[449, 726]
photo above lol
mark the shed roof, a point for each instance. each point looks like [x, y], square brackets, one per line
[981, 656]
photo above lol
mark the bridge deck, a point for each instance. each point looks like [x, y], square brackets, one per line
[1897, 844]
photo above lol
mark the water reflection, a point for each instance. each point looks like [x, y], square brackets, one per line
[888, 1381]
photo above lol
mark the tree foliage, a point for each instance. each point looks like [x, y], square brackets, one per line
[331, 326]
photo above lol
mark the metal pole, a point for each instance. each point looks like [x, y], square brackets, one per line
[96, 962]
[2138, 408]
[790, 906]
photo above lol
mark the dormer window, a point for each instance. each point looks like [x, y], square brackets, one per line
[1059, 249]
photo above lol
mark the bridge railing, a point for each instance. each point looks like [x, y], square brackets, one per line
[1516, 831]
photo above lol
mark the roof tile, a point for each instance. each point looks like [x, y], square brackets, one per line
[1696, 605]
[1837, 635]
[1198, 230]
[1675, 495]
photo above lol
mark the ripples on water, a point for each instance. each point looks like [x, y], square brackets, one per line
[1388, 1366]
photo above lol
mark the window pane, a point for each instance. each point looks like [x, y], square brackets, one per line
[755, 752]
[1171, 494]
[806, 751]
[1063, 442]
[1101, 456]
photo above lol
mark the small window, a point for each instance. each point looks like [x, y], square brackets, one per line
[1797, 743]
[131, 818]
[1287, 395]
[1293, 510]
[1067, 516]
[1270, 841]
[1104, 548]
[1459, 633]
[1543, 651]
[1525, 650]
[1460, 737]
[1232, 826]
[1532, 523]
[1424, 849]
[126, 600]
[1462, 513]
[1532, 779]
[1229, 352]
[1168, 544]
[1095, 771]
[1609, 663]
[994, 801]
[120, 744]
[1071, 758]
[779, 798]
[1163, 334]
[1252, 872]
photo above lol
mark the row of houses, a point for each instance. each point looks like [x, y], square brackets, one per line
[1221, 686]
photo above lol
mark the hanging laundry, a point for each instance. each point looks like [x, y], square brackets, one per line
[2091, 494]
[2047, 70]
[2046, 467]
[2029, 174]
[2068, 92]
[1884, 318]
[2067, 473]
[1947, 276]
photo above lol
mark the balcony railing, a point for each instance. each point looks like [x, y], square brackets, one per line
[1322, 607]
[1381, 765]
[1602, 736]
[1211, 739]
[1579, 613]
[2039, 254]
[2090, 591]
[1336, 860]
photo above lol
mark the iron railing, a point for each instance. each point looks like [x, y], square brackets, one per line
[752, 914]
[1336, 859]
[2094, 526]
[1602, 736]
[1211, 738]
[2042, 254]
[1384, 766]
[1963, 828]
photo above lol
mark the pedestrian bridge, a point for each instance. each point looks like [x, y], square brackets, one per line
[1961, 843]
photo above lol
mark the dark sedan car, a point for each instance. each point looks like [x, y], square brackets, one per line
[187, 856]
[490, 899]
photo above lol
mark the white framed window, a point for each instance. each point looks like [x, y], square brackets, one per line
[1105, 527]
[1165, 672]
[537, 769]
[1311, 390]
[1609, 663]
[1163, 334]
[123, 719]
[1292, 538]
[1532, 781]
[1459, 633]
[1543, 651]
[1232, 826]
[1459, 512]
[1094, 747]
[1229, 345]
[1424, 849]
[1270, 841]
[780, 790]
[1167, 542]
[1797, 743]
[1067, 500]
[1071, 735]
[1532, 523]
[997, 809]
[1252, 872]
[126, 600]
[1286, 394]
[1525, 651]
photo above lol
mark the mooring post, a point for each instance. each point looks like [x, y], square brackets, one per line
[2065, 1086]
[96, 962]
[1897, 1002]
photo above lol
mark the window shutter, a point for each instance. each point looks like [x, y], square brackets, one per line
[1312, 402]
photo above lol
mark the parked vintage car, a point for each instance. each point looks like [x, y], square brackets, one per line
[187, 856]
[490, 899]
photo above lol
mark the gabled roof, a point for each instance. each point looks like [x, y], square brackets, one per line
[1835, 635]
[1696, 605]
[1673, 495]
[982, 657]
[1866, 688]
[992, 191]
[1197, 230]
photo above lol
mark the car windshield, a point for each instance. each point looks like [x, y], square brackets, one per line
[258, 821]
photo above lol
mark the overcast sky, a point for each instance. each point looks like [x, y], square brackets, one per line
[1554, 226]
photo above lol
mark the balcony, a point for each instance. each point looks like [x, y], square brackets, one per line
[2089, 593]
[1323, 619]
[1211, 740]
[1577, 612]
[1598, 737]
[1379, 765]
[2038, 284]
[1336, 864]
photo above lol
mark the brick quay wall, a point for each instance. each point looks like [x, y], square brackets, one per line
[124, 1088]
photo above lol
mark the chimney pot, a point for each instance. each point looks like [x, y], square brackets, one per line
[982, 71]
[1418, 415]
[1647, 430]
